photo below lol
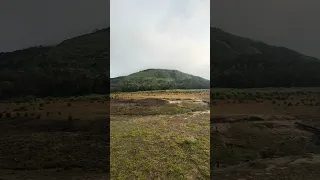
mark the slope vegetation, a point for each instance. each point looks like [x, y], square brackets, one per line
[76, 66]
[238, 62]
[158, 79]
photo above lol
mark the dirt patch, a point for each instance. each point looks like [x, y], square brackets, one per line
[271, 125]
[236, 118]
[140, 102]
[52, 174]
[174, 101]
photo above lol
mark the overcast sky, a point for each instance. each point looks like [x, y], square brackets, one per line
[290, 23]
[161, 33]
[166, 34]
[26, 23]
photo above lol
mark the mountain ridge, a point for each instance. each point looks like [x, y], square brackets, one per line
[77, 66]
[157, 79]
[238, 62]
[155, 69]
[81, 65]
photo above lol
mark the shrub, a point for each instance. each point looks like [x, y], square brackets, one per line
[8, 114]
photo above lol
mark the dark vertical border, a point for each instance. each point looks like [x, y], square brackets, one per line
[27, 137]
[108, 122]
[211, 86]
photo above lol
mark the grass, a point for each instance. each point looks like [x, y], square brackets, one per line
[151, 137]
[158, 140]
[171, 94]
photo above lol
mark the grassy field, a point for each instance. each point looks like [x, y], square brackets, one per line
[55, 138]
[255, 134]
[265, 133]
[160, 135]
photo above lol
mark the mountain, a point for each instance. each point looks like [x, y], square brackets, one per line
[158, 79]
[238, 62]
[76, 66]
[80, 66]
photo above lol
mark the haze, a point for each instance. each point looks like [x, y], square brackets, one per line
[165, 34]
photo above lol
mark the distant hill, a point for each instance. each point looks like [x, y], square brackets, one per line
[76, 66]
[158, 79]
[238, 62]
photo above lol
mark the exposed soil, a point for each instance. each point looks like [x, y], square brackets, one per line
[265, 140]
[54, 145]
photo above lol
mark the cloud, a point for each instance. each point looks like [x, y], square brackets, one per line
[169, 34]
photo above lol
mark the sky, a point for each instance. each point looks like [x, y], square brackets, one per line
[160, 33]
[26, 23]
[290, 23]
[163, 34]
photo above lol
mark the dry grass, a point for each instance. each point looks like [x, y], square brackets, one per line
[169, 94]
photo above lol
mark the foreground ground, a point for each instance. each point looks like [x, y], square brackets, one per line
[155, 135]
[160, 135]
[55, 139]
[265, 134]
[255, 134]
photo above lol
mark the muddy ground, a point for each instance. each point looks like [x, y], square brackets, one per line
[54, 139]
[267, 138]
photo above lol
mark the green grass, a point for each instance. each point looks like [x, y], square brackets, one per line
[153, 139]
[160, 147]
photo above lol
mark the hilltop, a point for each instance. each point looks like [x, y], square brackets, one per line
[158, 79]
[76, 66]
[238, 62]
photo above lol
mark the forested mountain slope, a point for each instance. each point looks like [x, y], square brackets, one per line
[238, 62]
[76, 66]
[80, 66]
[158, 79]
